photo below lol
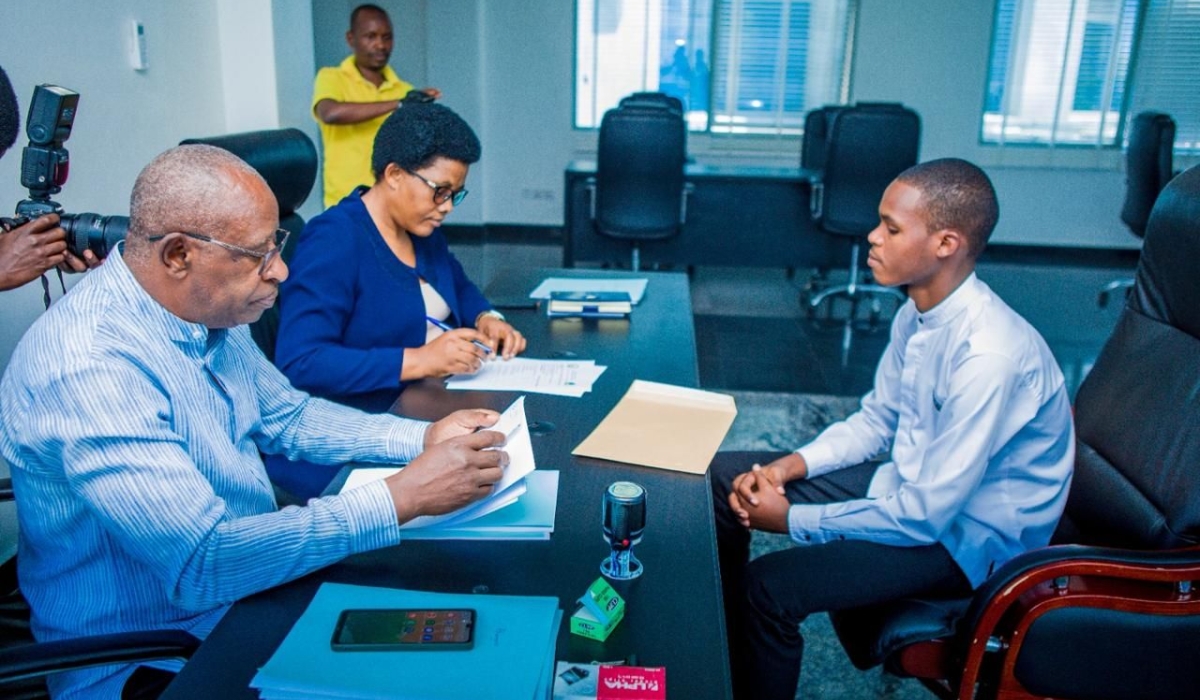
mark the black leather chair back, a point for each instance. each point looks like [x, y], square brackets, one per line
[860, 149]
[1137, 471]
[639, 174]
[1148, 163]
[652, 100]
[287, 160]
[816, 133]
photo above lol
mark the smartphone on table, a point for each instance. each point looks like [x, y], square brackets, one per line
[409, 629]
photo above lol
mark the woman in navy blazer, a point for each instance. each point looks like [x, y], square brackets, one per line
[367, 276]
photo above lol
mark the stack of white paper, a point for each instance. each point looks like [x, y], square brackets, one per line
[530, 517]
[557, 377]
[522, 504]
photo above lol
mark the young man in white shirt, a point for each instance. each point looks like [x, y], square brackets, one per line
[969, 414]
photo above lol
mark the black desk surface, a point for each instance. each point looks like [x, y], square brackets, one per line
[674, 615]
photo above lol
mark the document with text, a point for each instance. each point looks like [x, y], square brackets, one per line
[557, 377]
[512, 484]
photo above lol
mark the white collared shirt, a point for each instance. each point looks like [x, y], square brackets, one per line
[975, 411]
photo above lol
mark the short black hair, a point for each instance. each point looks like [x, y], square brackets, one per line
[956, 194]
[418, 133]
[10, 114]
[367, 7]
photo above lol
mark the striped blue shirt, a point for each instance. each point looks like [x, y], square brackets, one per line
[142, 500]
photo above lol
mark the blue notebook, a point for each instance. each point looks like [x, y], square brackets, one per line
[589, 304]
[512, 659]
[530, 518]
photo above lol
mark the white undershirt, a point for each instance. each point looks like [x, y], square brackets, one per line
[435, 307]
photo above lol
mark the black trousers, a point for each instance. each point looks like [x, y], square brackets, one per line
[768, 598]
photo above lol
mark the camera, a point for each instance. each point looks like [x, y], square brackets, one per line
[418, 96]
[44, 169]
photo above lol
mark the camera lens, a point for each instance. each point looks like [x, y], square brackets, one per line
[99, 233]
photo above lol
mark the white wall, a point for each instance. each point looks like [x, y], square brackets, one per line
[528, 54]
[247, 64]
[212, 70]
[295, 67]
[125, 117]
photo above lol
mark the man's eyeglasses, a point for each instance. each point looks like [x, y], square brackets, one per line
[267, 257]
[441, 193]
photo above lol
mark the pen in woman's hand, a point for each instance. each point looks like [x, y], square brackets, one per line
[446, 327]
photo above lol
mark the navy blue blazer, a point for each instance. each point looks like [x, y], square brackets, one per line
[350, 308]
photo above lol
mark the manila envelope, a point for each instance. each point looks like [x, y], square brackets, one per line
[664, 426]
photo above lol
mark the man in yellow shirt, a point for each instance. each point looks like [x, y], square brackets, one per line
[351, 101]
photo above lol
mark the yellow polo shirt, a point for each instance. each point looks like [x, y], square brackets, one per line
[348, 146]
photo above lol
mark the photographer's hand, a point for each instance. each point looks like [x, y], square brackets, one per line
[73, 263]
[30, 249]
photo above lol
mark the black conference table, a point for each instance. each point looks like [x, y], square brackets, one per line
[674, 612]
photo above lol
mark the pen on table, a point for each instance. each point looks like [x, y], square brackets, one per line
[446, 327]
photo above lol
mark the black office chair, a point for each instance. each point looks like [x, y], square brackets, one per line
[639, 193]
[287, 160]
[24, 663]
[1148, 169]
[652, 100]
[858, 150]
[1109, 611]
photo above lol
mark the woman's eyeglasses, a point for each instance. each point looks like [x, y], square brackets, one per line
[441, 193]
[267, 257]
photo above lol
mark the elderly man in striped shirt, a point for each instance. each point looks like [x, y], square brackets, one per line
[134, 411]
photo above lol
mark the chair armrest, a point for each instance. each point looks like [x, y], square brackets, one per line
[1061, 572]
[816, 196]
[45, 658]
[688, 189]
[590, 183]
[1048, 563]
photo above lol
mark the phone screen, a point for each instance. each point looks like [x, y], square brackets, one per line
[412, 629]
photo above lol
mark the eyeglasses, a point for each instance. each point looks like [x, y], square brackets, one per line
[267, 257]
[441, 193]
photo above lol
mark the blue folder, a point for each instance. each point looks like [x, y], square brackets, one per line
[512, 659]
[531, 517]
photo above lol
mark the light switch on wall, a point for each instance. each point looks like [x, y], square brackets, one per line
[137, 47]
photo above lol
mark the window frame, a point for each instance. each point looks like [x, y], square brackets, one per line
[707, 139]
[1002, 144]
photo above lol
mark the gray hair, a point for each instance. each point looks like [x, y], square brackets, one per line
[188, 188]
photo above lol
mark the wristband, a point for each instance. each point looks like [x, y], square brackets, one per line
[490, 312]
